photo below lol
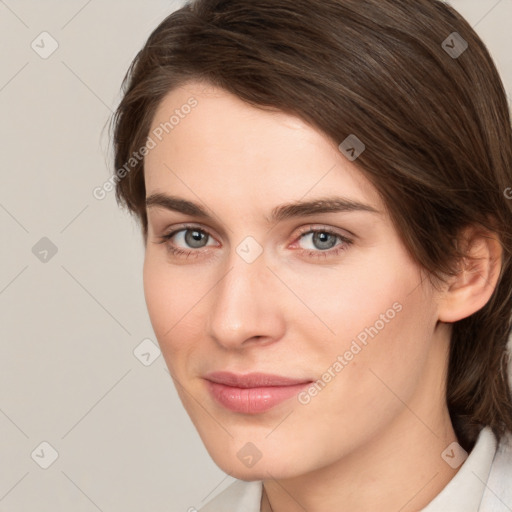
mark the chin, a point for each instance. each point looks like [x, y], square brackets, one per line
[276, 465]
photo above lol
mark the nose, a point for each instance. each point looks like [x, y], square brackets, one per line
[246, 305]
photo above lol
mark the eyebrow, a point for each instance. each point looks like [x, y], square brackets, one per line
[279, 213]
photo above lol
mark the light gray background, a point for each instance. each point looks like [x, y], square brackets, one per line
[70, 325]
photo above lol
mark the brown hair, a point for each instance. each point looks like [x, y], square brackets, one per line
[436, 126]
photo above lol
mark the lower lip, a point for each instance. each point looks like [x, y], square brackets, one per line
[252, 400]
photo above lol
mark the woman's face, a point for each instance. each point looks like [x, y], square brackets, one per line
[331, 297]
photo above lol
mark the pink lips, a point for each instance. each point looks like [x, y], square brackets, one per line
[252, 393]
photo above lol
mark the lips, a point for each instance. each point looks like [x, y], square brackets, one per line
[252, 393]
[252, 380]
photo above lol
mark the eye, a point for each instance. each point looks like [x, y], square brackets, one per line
[322, 242]
[191, 237]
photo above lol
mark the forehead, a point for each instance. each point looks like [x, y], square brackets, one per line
[208, 141]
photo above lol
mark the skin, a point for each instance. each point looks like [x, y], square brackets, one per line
[372, 438]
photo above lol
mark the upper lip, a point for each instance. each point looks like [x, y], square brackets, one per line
[252, 380]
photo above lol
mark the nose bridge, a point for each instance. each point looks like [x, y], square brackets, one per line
[242, 304]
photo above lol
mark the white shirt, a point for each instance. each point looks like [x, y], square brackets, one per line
[482, 484]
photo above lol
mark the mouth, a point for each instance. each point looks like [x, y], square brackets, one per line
[252, 393]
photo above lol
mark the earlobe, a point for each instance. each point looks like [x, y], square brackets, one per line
[473, 286]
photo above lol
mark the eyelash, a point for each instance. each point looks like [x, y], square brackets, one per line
[335, 251]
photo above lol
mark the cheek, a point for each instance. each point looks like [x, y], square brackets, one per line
[358, 298]
[166, 300]
[175, 296]
[377, 316]
[384, 357]
[156, 293]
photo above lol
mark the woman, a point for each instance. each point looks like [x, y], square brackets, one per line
[322, 191]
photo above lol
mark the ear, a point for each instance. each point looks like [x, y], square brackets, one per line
[471, 289]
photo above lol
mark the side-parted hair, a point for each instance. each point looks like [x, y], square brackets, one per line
[432, 113]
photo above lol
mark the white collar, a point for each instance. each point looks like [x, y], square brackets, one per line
[465, 490]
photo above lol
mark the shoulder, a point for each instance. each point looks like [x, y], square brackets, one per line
[498, 492]
[240, 496]
[501, 468]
